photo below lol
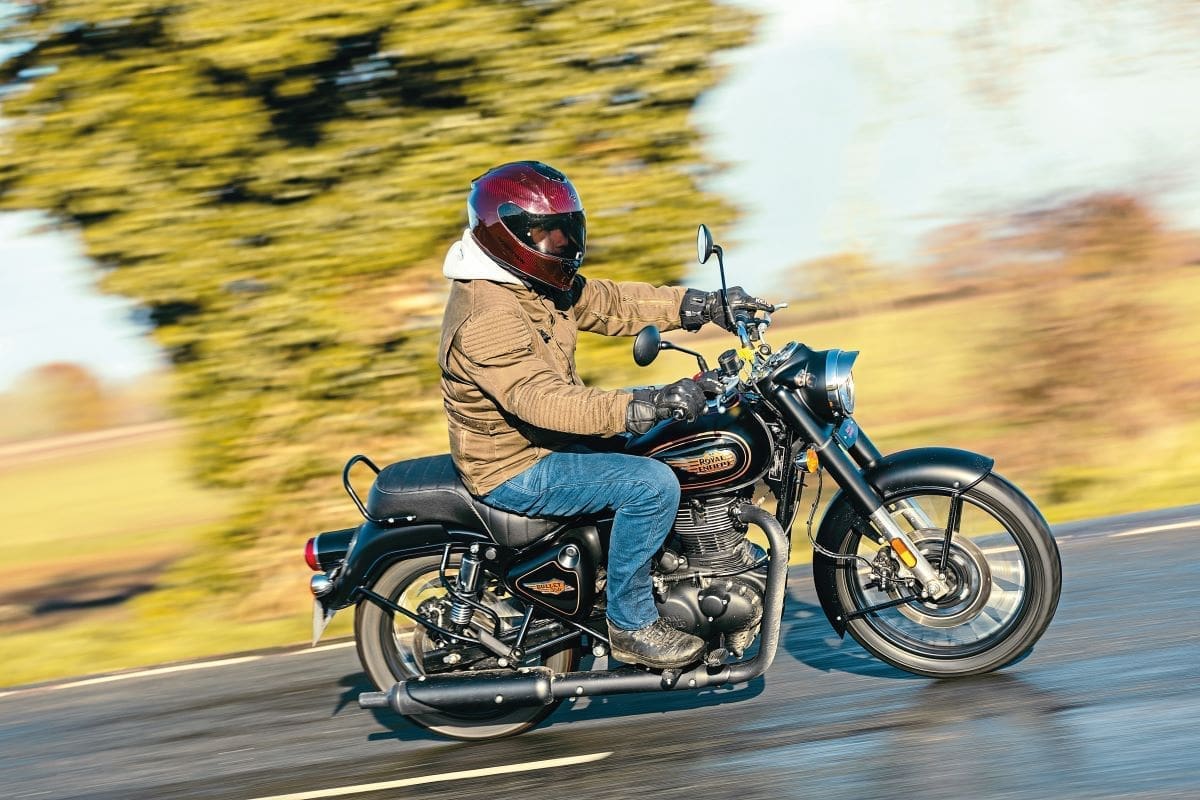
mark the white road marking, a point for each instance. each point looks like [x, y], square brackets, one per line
[145, 673]
[1005, 549]
[465, 774]
[1175, 526]
[307, 650]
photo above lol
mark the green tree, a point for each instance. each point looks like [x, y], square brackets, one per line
[276, 183]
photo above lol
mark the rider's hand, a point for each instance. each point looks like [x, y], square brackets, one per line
[740, 303]
[701, 307]
[683, 399]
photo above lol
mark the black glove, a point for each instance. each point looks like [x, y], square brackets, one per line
[700, 307]
[683, 399]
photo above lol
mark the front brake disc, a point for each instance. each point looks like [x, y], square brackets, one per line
[969, 577]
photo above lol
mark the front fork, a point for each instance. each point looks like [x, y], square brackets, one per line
[847, 473]
[865, 453]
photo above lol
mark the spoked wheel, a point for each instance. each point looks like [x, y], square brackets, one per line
[392, 647]
[1002, 564]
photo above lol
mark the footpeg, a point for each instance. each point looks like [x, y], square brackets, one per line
[716, 658]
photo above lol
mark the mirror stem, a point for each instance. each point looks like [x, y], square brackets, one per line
[724, 289]
[699, 358]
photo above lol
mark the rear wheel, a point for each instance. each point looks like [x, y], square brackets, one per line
[999, 558]
[393, 648]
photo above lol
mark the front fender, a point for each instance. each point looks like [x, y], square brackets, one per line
[925, 468]
[375, 547]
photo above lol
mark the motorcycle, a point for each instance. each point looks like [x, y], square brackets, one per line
[472, 621]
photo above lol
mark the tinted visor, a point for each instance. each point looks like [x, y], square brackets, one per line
[561, 235]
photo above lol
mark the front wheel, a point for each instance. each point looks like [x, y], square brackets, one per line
[999, 557]
[394, 648]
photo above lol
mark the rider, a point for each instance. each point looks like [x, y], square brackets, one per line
[516, 405]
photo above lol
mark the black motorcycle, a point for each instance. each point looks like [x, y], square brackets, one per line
[472, 621]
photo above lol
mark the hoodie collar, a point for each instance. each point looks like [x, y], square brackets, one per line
[467, 261]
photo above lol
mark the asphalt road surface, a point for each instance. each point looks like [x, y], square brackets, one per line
[1107, 705]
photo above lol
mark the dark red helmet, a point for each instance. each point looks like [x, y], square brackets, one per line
[528, 218]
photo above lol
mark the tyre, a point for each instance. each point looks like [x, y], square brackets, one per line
[392, 647]
[1002, 564]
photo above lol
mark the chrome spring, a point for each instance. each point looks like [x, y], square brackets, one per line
[460, 612]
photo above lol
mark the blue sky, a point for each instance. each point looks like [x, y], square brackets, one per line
[849, 126]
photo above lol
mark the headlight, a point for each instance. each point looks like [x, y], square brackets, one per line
[845, 396]
[821, 378]
[839, 381]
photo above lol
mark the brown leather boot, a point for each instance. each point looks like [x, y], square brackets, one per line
[658, 646]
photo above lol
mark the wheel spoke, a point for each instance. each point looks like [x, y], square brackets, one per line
[1003, 599]
[1009, 575]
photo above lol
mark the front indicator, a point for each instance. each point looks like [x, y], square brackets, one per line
[905, 554]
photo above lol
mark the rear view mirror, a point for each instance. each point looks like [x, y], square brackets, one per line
[646, 346]
[704, 243]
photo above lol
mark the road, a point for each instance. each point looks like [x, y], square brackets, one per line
[1107, 705]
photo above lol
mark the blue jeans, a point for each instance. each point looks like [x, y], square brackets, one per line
[643, 493]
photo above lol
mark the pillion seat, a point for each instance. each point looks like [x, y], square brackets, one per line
[430, 490]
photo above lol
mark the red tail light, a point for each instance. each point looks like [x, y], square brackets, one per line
[310, 555]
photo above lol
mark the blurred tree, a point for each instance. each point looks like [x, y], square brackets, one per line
[845, 284]
[1100, 234]
[960, 258]
[68, 397]
[276, 183]
[1079, 337]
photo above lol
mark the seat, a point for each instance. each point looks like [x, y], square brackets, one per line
[429, 489]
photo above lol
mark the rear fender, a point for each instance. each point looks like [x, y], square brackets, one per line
[929, 468]
[375, 547]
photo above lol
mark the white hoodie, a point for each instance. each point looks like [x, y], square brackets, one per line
[466, 261]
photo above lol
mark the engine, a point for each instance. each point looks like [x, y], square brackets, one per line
[707, 582]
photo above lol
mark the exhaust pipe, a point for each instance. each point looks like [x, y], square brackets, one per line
[536, 686]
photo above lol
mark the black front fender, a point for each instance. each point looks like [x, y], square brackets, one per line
[375, 547]
[942, 469]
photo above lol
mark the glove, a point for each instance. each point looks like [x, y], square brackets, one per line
[683, 399]
[700, 307]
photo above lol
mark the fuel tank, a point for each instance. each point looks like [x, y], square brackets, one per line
[716, 453]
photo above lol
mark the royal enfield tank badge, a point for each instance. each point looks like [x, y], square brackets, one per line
[555, 587]
[715, 460]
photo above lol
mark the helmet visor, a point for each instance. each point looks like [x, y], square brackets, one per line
[560, 235]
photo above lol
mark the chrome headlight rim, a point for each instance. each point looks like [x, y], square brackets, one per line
[839, 381]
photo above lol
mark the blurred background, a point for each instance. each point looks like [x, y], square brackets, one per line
[222, 226]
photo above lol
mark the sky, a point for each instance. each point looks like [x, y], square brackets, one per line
[849, 126]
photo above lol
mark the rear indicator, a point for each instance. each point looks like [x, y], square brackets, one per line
[310, 555]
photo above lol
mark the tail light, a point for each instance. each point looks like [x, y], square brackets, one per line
[310, 555]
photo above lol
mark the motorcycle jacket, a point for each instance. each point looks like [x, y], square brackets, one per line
[509, 382]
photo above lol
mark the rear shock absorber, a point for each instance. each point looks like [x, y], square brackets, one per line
[466, 587]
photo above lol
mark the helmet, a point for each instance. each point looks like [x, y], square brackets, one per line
[528, 218]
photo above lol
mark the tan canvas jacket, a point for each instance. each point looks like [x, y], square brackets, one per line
[509, 383]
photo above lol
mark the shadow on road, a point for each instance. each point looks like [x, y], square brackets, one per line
[807, 637]
[810, 639]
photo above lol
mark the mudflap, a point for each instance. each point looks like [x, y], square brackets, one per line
[321, 618]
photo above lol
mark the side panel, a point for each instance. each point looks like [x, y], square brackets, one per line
[940, 468]
[374, 547]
